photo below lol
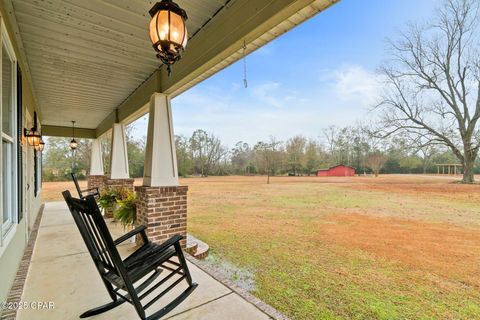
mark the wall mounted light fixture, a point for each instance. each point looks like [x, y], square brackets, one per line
[33, 136]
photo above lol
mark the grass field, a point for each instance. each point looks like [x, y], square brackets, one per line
[393, 247]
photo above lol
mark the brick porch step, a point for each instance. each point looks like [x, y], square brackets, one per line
[197, 248]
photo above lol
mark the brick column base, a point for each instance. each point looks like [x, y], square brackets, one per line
[116, 184]
[163, 210]
[95, 182]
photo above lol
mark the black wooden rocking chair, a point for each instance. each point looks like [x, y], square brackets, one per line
[82, 194]
[142, 267]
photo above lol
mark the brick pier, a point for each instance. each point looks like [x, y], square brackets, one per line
[95, 181]
[163, 210]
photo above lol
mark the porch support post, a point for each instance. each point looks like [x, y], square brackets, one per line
[162, 202]
[160, 155]
[119, 177]
[119, 156]
[95, 178]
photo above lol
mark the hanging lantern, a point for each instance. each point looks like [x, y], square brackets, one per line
[168, 31]
[32, 135]
[41, 145]
[73, 143]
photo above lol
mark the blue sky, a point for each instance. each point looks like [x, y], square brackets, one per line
[319, 74]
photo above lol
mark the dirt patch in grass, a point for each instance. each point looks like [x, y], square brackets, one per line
[439, 248]
[440, 187]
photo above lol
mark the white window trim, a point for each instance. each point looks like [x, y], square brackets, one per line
[6, 237]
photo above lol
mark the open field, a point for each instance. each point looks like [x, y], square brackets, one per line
[393, 247]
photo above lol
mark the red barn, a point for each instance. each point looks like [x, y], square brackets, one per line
[337, 171]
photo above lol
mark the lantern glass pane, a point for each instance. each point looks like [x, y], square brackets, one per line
[184, 44]
[177, 26]
[153, 29]
[33, 138]
[162, 25]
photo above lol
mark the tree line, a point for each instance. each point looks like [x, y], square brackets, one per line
[204, 154]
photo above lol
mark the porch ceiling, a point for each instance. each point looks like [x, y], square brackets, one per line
[86, 57]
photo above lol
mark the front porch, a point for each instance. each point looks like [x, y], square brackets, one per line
[61, 271]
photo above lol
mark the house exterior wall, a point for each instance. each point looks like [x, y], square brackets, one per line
[13, 243]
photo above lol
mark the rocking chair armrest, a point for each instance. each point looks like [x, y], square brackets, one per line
[170, 242]
[131, 233]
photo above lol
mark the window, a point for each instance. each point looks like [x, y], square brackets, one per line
[8, 153]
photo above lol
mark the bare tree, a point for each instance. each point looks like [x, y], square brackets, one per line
[269, 154]
[376, 161]
[434, 83]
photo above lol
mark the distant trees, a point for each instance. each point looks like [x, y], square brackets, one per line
[206, 151]
[59, 161]
[242, 158]
[433, 83]
[313, 156]
[204, 154]
[184, 156]
[295, 152]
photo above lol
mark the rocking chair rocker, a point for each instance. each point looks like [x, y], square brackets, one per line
[142, 266]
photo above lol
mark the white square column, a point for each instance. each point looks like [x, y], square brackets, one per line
[160, 157]
[119, 156]
[96, 160]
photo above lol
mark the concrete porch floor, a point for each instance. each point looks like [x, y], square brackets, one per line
[62, 272]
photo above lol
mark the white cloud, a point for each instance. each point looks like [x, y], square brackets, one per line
[273, 94]
[354, 84]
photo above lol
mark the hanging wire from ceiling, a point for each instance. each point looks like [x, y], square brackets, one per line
[245, 82]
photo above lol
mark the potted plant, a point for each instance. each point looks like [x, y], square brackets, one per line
[108, 199]
[126, 212]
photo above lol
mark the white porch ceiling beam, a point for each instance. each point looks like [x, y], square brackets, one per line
[57, 131]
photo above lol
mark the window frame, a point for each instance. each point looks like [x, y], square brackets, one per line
[7, 229]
